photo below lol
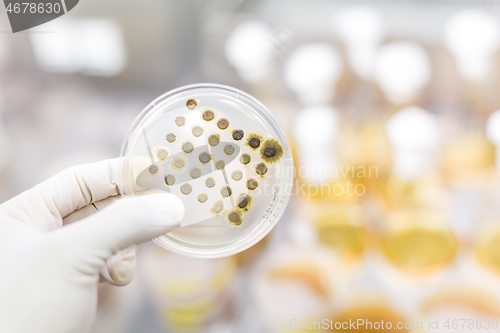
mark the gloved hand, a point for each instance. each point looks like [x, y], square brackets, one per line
[50, 267]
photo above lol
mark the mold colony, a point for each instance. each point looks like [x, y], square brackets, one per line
[245, 158]
[269, 151]
[238, 134]
[214, 140]
[205, 157]
[171, 137]
[162, 154]
[222, 123]
[153, 169]
[208, 115]
[254, 140]
[191, 104]
[170, 179]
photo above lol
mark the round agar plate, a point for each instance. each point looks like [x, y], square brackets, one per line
[223, 154]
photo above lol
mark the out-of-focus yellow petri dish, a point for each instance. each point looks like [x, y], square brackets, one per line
[188, 293]
[418, 240]
[295, 284]
[461, 308]
[470, 158]
[487, 247]
[426, 191]
[370, 314]
[341, 228]
[467, 297]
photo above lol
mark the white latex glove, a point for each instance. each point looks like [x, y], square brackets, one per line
[49, 271]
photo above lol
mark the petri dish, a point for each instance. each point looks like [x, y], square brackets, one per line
[223, 154]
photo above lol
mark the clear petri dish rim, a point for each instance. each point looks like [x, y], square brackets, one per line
[286, 179]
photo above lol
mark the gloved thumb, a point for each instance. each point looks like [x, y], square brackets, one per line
[131, 220]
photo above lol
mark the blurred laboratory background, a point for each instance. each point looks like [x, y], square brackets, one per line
[392, 108]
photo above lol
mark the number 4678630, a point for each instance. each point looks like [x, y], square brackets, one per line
[471, 324]
[33, 8]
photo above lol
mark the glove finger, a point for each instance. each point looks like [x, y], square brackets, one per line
[128, 221]
[45, 205]
[121, 267]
